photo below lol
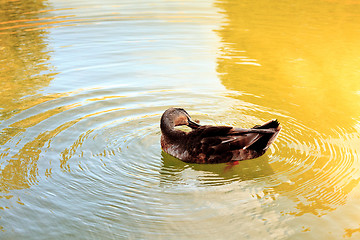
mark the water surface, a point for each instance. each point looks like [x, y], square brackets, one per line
[84, 85]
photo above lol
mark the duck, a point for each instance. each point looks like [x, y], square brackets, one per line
[208, 144]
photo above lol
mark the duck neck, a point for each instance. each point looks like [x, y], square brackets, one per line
[167, 126]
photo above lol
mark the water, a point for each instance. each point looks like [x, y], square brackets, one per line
[83, 86]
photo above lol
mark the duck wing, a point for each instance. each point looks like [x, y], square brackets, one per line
[217, 144]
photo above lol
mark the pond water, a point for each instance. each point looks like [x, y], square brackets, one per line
[83, 86]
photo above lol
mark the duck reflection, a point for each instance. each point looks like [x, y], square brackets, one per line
[174, 171]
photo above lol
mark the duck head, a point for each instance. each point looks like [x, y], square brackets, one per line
[173, 117]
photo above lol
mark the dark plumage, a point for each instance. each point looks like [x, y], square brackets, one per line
[213, 144]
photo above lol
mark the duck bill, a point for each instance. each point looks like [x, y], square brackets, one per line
[193, 124]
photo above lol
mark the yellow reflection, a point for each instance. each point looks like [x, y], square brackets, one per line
[301, 59]
[24, 70]
[23, 58]
[350, 232]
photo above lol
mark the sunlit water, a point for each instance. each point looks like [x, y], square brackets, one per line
[83, 86]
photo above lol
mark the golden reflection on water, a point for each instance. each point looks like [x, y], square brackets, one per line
[301, 59]
[24, 70]
[24, 56]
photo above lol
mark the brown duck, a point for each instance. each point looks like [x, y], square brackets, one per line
[213, 144]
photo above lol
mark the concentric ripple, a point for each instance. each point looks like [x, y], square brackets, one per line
[83, 86]
[103, 145]
[315, 169]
